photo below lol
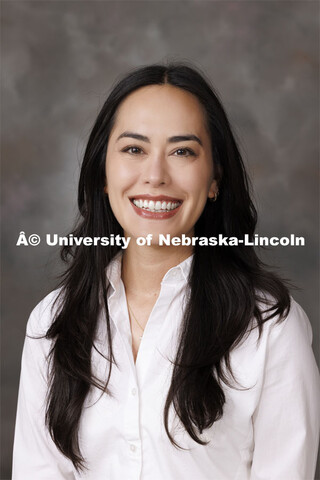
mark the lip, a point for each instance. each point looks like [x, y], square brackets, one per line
[164, 198]
[153, 215]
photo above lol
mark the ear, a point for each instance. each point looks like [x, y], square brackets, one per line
[105, 190]
[213, 189]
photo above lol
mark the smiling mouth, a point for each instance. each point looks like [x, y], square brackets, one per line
[156, 206]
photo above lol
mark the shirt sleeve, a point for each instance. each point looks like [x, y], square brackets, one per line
[286, 420]
[35, 456]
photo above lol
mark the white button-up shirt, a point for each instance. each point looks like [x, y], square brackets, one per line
[269, 430]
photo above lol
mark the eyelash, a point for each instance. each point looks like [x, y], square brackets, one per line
[188, 150]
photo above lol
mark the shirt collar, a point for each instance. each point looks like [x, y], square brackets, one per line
[113, 272]
[177, 274]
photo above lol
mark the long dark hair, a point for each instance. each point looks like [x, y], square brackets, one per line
[228, 285]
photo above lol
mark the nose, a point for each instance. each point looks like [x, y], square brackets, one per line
[155, 172]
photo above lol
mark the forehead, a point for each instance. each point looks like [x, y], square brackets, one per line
[161, 107]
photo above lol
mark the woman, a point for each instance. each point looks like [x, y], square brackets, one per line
[166, 361]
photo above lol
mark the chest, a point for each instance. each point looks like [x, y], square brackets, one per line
[131, 419]
[139, 312]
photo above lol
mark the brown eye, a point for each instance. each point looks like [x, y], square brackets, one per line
[184, 152]
[133, 150]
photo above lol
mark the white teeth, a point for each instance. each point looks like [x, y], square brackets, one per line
[157, 206]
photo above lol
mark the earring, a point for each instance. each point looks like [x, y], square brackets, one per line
[214, 198]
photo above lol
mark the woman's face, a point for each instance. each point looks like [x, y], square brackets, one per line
[159, 167]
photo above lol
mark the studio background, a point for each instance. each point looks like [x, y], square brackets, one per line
[60, 60]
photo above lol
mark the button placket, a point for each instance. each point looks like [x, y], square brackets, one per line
[132, 422]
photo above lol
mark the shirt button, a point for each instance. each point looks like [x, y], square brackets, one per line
[134, 391]
[132, 447]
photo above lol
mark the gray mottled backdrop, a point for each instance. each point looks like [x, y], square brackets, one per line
[60, 59]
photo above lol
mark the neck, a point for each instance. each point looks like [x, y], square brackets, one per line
[143, 268]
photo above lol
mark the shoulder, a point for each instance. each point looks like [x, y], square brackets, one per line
[287, 343]
[294, 328]
[282, 341]
[43, 313]
[281, 359]
[294, 322]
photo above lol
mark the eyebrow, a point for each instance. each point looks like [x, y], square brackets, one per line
[175, 139]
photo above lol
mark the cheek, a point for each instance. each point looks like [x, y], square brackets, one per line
[198, 184]
[119, 177]
[199, 176]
